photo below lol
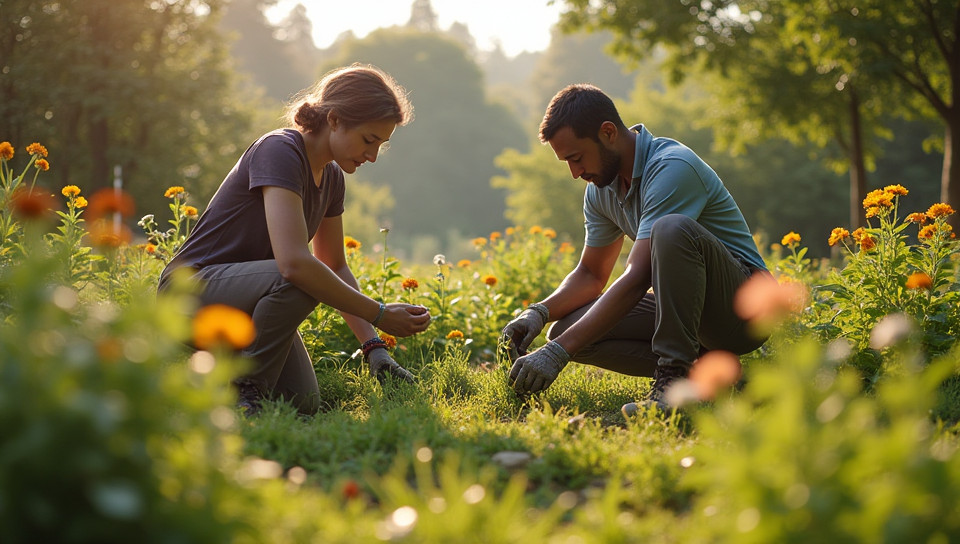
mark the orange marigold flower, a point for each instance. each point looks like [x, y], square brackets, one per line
[463, 263]
[454, 334]
[70, 190]
[510, 231]
[878, 198]
[939, 210]
[873, 211]
[566, 247]
[536, 229]
[927, 232]
[219, 325]
[550, 233]
[790, 239]
[837, 235]
[495, 236]
[867, 243]
[350, 242]
[859, 234]
[389, 339]
[350, 490]
[763, 301]
[6, 151]
[189, 211]
[479, 242]
[32, 202]
[489, 279]
[37, 149]
[108, 201]
[174, 192]
[42, 164]
[80, 202]
[150, 248]
[919, 280]
[410, 283]
[898, 190]
[917, 217]
[713, 372]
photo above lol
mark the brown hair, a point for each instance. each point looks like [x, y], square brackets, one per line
[582, 107]
[357, 94]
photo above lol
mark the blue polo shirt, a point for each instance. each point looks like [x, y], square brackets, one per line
[668, 178]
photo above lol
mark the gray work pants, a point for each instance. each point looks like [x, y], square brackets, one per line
[690, 311]
[282, 366]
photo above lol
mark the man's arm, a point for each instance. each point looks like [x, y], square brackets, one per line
[625, 293]
[585, 282]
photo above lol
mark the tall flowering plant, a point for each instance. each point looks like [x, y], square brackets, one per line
[165, 243]
[886, 273]
[19, 195]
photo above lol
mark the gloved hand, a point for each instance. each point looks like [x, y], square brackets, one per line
[383, 365]
[524, 328]
[535, 372]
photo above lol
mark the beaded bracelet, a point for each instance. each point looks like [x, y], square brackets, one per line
[372, 344]
[376, 320]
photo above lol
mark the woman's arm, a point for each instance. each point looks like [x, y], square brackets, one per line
[328, 249]
[289, 239]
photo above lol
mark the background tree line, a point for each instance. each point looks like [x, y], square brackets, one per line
[772, 94]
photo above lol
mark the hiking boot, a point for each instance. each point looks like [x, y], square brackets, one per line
[664, 379]
[249, 399]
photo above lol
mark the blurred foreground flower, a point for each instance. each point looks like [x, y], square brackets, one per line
[108, 201]
[763, 301]
[32, 202]
[219, 325]
[919, 280]
[714, 371]
[890, 331]
[104, 234]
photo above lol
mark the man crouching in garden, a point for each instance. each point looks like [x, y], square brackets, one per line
[692, 245]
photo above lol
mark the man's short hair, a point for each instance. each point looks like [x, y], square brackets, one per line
[582, 107]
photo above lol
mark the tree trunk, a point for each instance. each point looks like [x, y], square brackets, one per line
[858, 171]
[950, 177]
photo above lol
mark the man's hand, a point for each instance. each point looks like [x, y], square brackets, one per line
[383, 365]
[535, 372]
[520, 332]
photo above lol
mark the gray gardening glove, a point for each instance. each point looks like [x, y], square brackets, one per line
[519, 333]
[383, 365]
[535, 372]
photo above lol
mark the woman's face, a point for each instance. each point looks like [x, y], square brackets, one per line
[353, 146]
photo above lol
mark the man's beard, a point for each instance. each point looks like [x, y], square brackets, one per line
[609, 167]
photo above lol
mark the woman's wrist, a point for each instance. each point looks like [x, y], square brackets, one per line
[376, 320]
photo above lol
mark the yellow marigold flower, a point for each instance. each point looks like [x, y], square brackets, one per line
[37, 149]
[489, 279]
[550, 233]
[42, 164]
[463, 263]
[873, 211]
[859, 234]
[566, 247]
[510, 231]
[389, 339]
[70, 190]
[219, 325]
[878, 198]
[6, 151]
[867, 243]
[919, 280]
[927, 232]
[454, 334]
[350, 242]
[939, 210]
[80, 202]
[898, 190]
[410, 283]
[479, 242]
[837, 235]
[495, 236]
[189, 211]
[174, 192]
[917, 217]
[790, 239]
[536, 229]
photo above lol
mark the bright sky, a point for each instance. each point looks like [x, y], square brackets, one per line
[519, 25]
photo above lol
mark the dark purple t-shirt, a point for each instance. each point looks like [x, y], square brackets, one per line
[233, 228]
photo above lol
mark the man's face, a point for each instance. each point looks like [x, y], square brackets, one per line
[588, 160]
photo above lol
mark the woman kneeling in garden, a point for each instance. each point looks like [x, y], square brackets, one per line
[250, 248]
